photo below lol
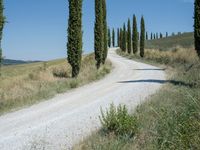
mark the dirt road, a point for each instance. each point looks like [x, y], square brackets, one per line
[66, 119]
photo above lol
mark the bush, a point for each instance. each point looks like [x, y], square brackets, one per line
[117, 120]
[60, 72]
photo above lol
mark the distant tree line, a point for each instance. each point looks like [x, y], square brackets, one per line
[129, 39]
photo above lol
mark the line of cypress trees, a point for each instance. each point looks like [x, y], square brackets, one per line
[142, 37]
[113, 37]
[98, 33]
[197, 26]
[2, 22]
[109, 38]
[105, 37]
[135, 35]
[129, 36]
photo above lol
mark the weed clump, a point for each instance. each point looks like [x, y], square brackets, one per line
[117, 120]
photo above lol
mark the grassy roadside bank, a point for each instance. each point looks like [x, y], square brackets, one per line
[169, 119]
[23, 85]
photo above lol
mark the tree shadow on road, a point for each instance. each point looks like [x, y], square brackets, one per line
[174, 82]
[150, 69]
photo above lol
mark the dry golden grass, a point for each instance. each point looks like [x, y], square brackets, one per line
[22, 85]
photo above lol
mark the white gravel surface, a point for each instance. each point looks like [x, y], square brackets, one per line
[68, 118]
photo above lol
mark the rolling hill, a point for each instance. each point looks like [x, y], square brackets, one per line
[185, 40]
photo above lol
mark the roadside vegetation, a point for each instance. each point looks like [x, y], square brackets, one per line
[170, 118]
[23, 85]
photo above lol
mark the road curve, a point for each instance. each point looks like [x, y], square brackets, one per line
[67, 118]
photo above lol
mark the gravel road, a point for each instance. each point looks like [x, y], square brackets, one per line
[68, 118]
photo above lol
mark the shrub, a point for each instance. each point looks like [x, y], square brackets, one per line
[60, 72]
[117, 120]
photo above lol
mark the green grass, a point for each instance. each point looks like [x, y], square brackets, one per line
[185, 40]
[23, 85]
[169, 119]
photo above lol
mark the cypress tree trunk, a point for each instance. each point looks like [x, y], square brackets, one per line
[197, 26]
[2, 22]
[142, 37]
[129, 37]
[74, 45]
[135, 35]
[98, 33]
[109, 38]
[124, 39]
[105, 38]
[113, 37]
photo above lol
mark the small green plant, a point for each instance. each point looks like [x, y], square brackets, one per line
[117, 120]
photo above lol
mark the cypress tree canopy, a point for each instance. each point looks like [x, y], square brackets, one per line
[135, 35]
[197, 26]
[98, 32]
[74, 45]
[105, 37]
[129, 36]
[142, 37]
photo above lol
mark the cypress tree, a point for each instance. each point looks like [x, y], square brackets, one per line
[154, 36]
[151, 36]
[113, 37]
[2, 22]
[142, 37]
[147, 36]
[105, 37]
[129, 41]
[121, 39]
[135, 35]
[98, 33]
[109, 38]
[124, 40]
[197, 26]
[161, 36]
[166, 34]
[118, 37]
[74, 45]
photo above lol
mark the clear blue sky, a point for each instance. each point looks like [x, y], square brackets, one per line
[36, 29]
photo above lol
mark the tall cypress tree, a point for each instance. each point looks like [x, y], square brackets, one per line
[113, 37]
[135, 35]
[197, 26]
[147, 36]
[154, 36]
[118, 37]
[121, 39]
[161, 36]
[105, 37]
[142, 37]
[166, 34]
[74, 45]
[151, 36]
[109, 38]
[98, 33]
[124, 40]
[2, 22]
[129, 36]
